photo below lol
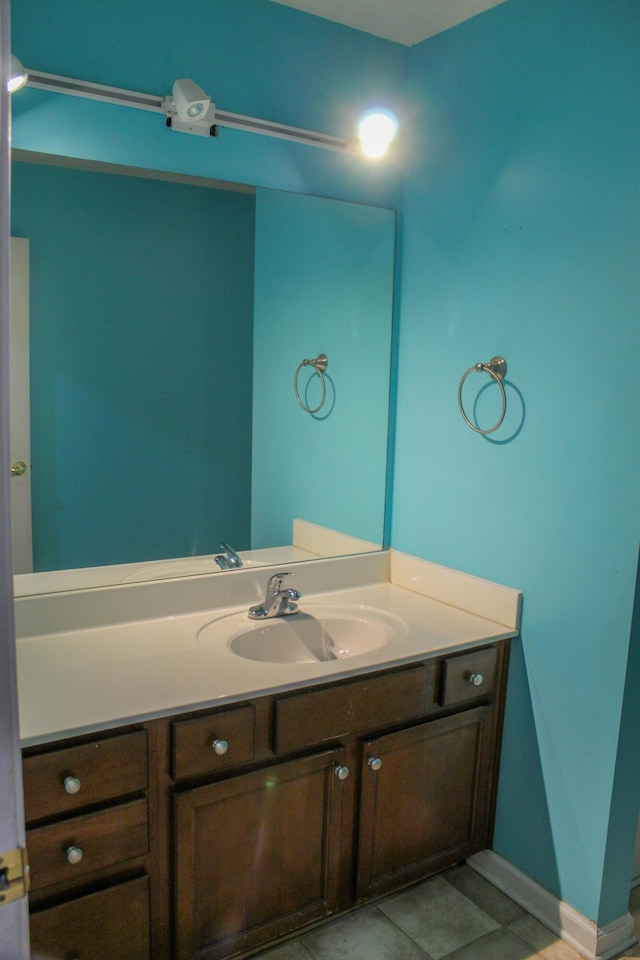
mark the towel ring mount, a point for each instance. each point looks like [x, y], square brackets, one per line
[497, 370]
[320, 364]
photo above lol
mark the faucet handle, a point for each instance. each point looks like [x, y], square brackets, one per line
[277, 602]
[231, 556]
[274, 583]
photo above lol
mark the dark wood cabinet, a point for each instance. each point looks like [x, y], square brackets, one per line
[213, 743]
[256, 855]
[59, 781]
[112, 924]
[424, 800]
[339, 711]
[210, 834]
[94, 839]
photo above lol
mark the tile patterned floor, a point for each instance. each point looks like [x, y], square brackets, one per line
[456, 916]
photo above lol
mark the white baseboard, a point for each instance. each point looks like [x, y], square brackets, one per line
[584, 935]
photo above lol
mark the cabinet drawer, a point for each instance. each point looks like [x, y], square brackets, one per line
[104, 769]
[214, 742]
[373, 703]
[109, 925]
[102, 839]
[468, 676]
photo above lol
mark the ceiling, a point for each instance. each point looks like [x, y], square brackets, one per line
[405, 21]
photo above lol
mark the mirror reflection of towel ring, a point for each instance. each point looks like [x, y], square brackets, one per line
[320, 364]
[497, 369]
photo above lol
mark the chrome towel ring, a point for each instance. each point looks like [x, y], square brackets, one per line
[320, 364]
[497, 369]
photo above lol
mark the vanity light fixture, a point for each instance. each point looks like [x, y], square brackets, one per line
[188, 110]
[18, 76]
[190, 101]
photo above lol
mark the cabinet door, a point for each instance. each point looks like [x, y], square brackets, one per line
[425, 800]
[256, 856]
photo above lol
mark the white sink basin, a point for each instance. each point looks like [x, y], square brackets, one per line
[319, 632]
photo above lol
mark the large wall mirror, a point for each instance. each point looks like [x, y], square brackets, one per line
[167, 318]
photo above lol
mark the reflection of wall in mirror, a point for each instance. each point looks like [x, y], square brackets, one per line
[324, 284]
[141, 312]
[145, 373]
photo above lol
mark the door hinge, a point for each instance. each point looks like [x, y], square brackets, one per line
[14, 875]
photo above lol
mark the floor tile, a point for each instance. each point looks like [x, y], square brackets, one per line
[437, 917]
[467, 881]
[456, 916]
[364, 935]
[500, 945]
[540, 938]
[293, 950]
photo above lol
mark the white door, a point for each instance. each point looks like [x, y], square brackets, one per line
[14, 931]
[19, 422]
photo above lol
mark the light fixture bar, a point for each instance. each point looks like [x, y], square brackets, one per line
[239, 122]
[95, 91]
[147, 101]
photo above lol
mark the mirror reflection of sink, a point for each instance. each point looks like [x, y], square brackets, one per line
[319, 632]
[182, 567]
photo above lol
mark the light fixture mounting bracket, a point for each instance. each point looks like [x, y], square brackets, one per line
[165, 105]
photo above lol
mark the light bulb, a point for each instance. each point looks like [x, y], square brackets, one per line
[376, 130]
[18, 76]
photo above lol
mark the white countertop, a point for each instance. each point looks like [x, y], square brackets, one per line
[85, 679]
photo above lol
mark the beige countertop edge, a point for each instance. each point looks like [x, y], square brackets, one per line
[83, 681]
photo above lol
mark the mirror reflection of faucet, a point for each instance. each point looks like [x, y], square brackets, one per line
[229, 560]
[278, 602]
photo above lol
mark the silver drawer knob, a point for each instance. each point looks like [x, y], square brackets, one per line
[71, 784]
[220, 747]
[74, 855]
[375, 763]
[342, 772]
[476, 679]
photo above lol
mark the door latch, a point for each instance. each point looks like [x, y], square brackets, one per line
[14, 875]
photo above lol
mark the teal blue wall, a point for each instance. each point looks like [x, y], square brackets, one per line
[520, 229]
[323, 284]
[141, 320]
[518, 234]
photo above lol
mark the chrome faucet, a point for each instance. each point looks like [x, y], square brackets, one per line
[277, 602]
[229, 560]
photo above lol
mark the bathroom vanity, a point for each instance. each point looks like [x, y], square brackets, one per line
[215, 828]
